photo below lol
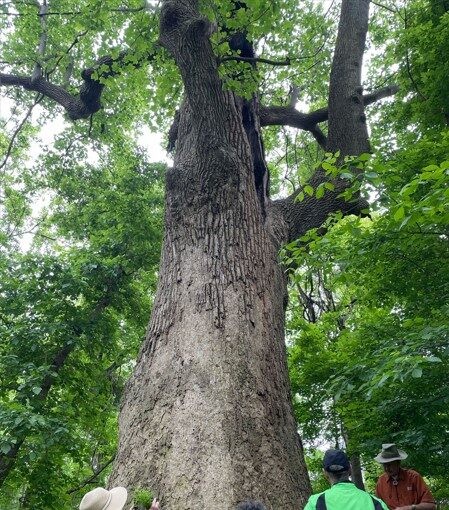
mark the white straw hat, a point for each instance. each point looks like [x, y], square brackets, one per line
[102, 499]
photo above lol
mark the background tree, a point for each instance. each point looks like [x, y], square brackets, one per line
[367, 358]
[73, 312]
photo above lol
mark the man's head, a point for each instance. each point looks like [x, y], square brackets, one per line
[336, 466]
[390, 457]
[251, 505]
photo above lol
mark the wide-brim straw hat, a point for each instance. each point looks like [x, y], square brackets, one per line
[390, 452]
[102, 499]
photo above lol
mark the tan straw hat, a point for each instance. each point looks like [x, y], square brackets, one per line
[389, 453]
[102, 499]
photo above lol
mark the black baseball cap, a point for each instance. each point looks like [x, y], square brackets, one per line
[335, 461]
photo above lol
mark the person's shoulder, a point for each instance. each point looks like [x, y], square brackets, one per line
[311, 502]
[382, 477]
[313, 499]
[411, 473]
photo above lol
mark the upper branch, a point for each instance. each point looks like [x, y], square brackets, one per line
[185, 33]
[290, 116]
[253, 60]
[88, 100]
[347, 124]
[37, 72]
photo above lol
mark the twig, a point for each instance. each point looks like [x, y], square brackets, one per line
[76, 41]
[407, 61]
[123, 10]
[251, 60]
[382, 6]
[38, 99]
[91, 478]
[37, 71]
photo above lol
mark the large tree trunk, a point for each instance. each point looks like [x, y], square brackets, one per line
[207, 419]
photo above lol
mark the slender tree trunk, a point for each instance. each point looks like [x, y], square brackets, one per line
[354, 459]
[356, 470]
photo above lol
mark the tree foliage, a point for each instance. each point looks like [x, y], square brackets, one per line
[368, 320]
[73, 311]
[368, 301]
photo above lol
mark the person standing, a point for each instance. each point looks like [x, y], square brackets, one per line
[401, 489]
[343, 494]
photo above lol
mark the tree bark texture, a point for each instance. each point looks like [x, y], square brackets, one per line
[348, 131]
[207, 417]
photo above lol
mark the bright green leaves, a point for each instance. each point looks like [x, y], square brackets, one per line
[367, 325]
[85, 289]
[399, 214]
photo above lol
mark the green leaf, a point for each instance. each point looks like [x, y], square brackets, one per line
[308, 189]
[399, 214]
[417, 373]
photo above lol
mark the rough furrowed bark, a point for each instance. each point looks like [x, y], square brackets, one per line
[347, 121]
[206, 419]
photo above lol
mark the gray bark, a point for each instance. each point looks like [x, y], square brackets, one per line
[206, 419]
[347, 121]
[207, 416]
[356, 471]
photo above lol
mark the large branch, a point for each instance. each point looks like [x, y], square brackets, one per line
[290, 116]
[87, 102]
[347, 128]
[184, 32]
[348, 132]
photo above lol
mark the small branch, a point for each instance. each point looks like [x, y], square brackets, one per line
[409, 72]
[123, 10]
[69, 49]
[407, 62]
[38, 99]
[382, 6]
[253, 60]
[92, 478]
[37, 71]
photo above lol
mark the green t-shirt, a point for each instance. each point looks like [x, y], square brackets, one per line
[344, 496]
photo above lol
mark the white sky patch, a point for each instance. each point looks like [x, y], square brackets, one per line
[150, 141]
